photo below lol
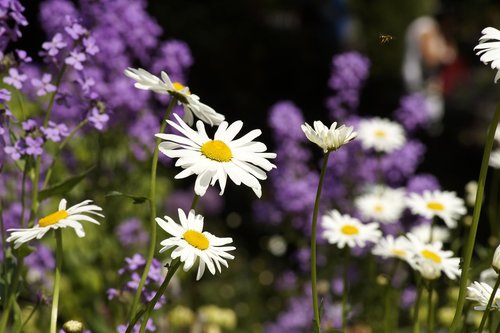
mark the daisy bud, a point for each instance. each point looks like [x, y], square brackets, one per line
[72, 326]
[496, 260]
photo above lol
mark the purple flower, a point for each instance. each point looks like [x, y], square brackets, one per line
[15, 78]
[43, 86]
[75, 59]
[54, 45]
[40, 263]
[15, 152]
[86, 84]
[23, 56]
[422, 182]
[413, 112]
[135, 262]
[349, 71]
[131, 232]
[97, 119]
[149, 327]
[75, 31]
[55, 132]
[54, 14]
[112, 293]
[4, 96]
[29, 125]
[285, 119]
[34, 146]
[90, 46]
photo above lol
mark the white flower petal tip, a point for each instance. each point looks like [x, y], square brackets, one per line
[328, 139]
[489, 49]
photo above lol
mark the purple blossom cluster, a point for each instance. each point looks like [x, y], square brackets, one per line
[413, 112]
[11, 19]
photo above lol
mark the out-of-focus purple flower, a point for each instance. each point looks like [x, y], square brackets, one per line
[150, 326]
[75, 59]
[4, 96]
[86, 84]
[267, 212]
[349, 70]
[15, 152]
[135, 262]
[408, 297]
[54, 14]
[54, 45]
[98, 119]
[413, 112]
[23, 56]
[40, 263]
[174, 58]
[90, 45]
[15, 78]
[131, 232]
[402, 163]
[76, 30]
[285, 119]
[286, 281]
[34, 146]
[112, 293]
[11, 18]
[29, 125]
[43, 86]
[422, 182]
[295, 319]
[55, 132]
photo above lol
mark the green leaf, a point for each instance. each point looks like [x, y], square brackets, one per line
[64, 186]
[136, 199]
[17, 317]
[24, 251]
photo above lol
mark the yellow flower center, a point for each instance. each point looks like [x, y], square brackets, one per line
[196, 239]
[380, 134]
[349, 230]
[378, 208]
[53, 218]
[179, 86]
[435, 206]
[431, 256]
[217, 150]
[399, 253]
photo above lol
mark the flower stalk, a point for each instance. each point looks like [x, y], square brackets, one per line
[57, 279]
[345, 289]
[416, 307]
[488, 306]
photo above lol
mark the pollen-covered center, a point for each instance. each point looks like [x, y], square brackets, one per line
[53, 218]
[431, 256]
[380, 134]
[349, 230]
[179, 86]
[399, 253]
[196, 239]
[217, 150]
[435, 206]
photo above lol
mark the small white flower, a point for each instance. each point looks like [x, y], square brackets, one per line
[242, 160]
[328, 139]
[192, 243]
[423, 232]
[489, 49]
[382, 204]
[430, 260]
[64, 217]
[443, 204]
[190, 102]
[381, 134]
[496, 260]
[481, 293]
[346, 230]
[390, 247]
[494, 161]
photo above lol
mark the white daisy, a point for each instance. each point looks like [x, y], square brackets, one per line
[443, 204]
[481, 293]
[381, 134]
[423, 232]
[489, 49]
[430, 260]
[494, 161]
[382, 204]
[390, 247]
[496, 260]
[191, 242]
[243, 160]
[344, 229]
[328, 139]
[64, 217]
[190, 102]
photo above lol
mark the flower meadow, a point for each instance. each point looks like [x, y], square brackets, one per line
[129, 204]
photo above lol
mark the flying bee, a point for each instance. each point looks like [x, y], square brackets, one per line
[385, 39]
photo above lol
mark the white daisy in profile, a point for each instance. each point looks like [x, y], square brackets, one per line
[423, 232]
[192, 243]
[63, 218]
[443, 204]
[489, 49]
[190, 102]
[382, 204]
[381, 134]
[481, 293]
[346, 230]
[328, 139]
[494, 161]
[242, 160]
[431, 260]
[495, 263]
[390, 247]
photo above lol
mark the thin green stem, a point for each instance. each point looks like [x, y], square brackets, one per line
[416, 307]
[316, 321]
[60, 148]
[10, 298]
[23, 192]
[345, 289]
[57, 279]
[469, 247]
[195, 201]
[35, 308]
[430, 309]
[498, 328]
[152, 205]
[488, 306]
[149, 308]
[388, 311]
[53, 96]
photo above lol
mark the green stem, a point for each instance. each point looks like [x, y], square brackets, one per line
[10, 298]
[31, 314]
[498, 328]
[345, 289]
[430, 310]
[23, 192]
[57, 279]
[488, 306]
[60, 148]
[53, 96]
[388, 318]
[316, 321]
[416, 308]
[152, 205]
[195, 201]
[469, 248]
[149, 308]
